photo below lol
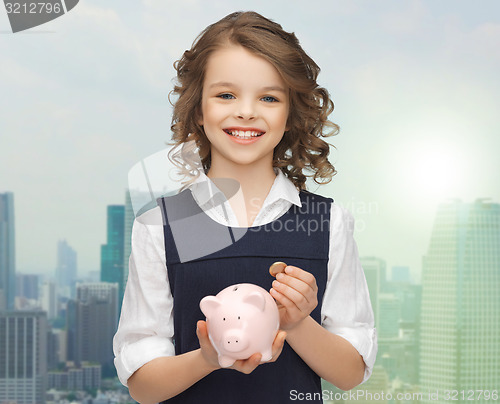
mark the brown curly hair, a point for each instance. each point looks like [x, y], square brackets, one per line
[301, 147]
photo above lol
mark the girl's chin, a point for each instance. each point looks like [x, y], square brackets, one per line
[247, 160]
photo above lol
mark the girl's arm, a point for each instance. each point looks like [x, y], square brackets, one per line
[332, 357]
[163, 378]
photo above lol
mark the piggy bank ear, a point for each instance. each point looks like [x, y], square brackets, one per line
[255, 299]
[209, 304]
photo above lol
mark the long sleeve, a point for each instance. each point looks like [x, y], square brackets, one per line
[346, 309]
[145, 330]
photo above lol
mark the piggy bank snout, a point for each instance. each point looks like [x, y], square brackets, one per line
[235, 341]
[242, 320]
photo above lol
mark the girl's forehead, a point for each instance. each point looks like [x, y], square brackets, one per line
[237, 65]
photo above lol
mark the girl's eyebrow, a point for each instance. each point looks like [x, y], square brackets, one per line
[228, 84]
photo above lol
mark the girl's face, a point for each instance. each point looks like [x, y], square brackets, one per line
[244, 108]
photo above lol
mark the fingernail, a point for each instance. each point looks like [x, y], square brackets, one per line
[276, 284]
[280, 275]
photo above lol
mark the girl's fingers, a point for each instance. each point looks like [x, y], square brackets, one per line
[247, 366]
[278, 344]
[292, 296]
[291, 308]
[299, 273]
[201, 330]
[297, 278]
[202, 334]
[301, 295]
[207, 349]
[299, 286]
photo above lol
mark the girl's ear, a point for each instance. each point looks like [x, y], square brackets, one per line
[199, 116]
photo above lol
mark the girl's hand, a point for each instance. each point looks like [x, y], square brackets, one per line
[207, 350]
[246, 366]
[296, 293]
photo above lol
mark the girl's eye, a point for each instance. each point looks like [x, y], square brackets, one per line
[268, 98]
[226, 96]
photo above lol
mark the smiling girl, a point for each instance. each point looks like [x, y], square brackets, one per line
[248, 98]
[244, 112]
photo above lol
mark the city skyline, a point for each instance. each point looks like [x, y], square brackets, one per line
[414, 84]
[417, 354]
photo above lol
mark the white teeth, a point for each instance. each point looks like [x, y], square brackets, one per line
[244, 134]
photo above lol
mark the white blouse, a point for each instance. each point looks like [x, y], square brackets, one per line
[146, 326]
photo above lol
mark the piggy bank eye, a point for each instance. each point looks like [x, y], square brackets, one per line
[238, 317]
[223, 318]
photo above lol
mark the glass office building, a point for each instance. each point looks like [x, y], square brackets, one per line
[460, 323]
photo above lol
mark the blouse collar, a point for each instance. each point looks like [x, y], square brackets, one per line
[206, 193]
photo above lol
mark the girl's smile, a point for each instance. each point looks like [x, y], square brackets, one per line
[244, 108]
[243, 135]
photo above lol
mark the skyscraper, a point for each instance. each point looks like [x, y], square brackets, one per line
[400, 274]
[27, 286]
[7, 252]
[112, 252]
[66, 269]
[92, 320]
[23, 356]
[48, 299]
[389, 306]
[398, 331]
[460, 331]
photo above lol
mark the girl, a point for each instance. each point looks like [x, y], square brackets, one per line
[248, 98]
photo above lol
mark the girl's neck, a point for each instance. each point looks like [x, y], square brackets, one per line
[255, 182]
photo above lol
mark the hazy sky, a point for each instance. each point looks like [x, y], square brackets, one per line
[415, 85]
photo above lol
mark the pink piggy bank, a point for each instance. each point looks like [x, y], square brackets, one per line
[242, 320]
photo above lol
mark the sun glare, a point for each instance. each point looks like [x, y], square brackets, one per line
[436, 171]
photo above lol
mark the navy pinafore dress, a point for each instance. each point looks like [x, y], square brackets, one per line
[203, 257]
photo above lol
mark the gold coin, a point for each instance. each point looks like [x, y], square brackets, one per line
[276, 268]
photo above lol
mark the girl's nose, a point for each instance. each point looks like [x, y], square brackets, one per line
[246, 110]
